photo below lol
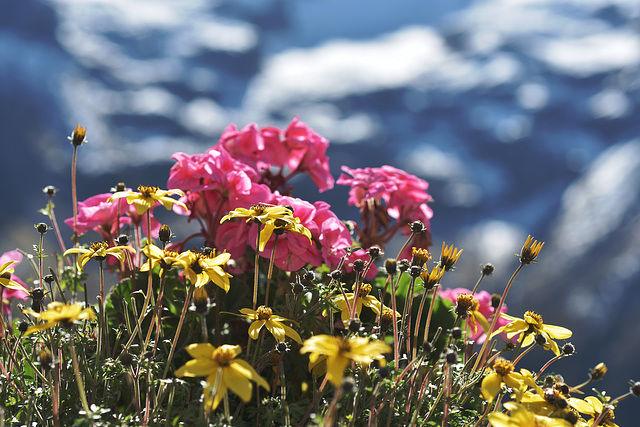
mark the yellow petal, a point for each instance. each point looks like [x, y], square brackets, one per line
[335, 369]
[276, 329]
[491, 385]
[252, 374]
[197, 368]
[200, 351]
[236, 378]
[254, 328]
[557, 332]
[292, 333]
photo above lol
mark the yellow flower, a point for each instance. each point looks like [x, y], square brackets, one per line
[273, 218]
[363, 299]
[202, 268]
[502, 373]
[78, 136]
[221, 368]
[58, 312]
[467, 308]
[99, 251]
[593, 406]
[340, 352]
[6, 271]
[431, 279]
[147, 197]
[519, 416]
[530, 250]
[166, 259]
[530, 326]
[261, 213]
[264, 316]
[449, 256]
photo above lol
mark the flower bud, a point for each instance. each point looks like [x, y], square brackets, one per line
[404, 265]
[456, 333]
[164, 234]
[336, 275]
[119, 187]
[297, 288]
[598, 372]
[635, 389]
[79, 136]
[358, 265]
[487, 269]
[375, 252]
[541, 339]
[45, 360]
[568, 349]
[348, 385]
[354, 325]
[48, 279]
[417, 227]
[282, 347]
[384, 372]
[495, 301]
[451, 357]
[122, 240]
[391, 266]
[126, 359]
[415, 271]
[42, 227]
[49, 190]
[23, 326]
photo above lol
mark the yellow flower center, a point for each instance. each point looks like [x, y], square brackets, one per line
[97, 246]
[466, 302]
[258, 209]
[365, 289]
[147, 191]
[420, 256]
[533, 318]
[502, 367]
[224, 355]
[264, 313]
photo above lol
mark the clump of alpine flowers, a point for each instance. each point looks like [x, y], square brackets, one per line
[257, 306]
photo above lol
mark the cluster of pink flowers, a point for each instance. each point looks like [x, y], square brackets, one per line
[8, 294]
[385, 194]
[485, 308]
[253, 166]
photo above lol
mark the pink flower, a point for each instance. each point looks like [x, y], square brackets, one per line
[7, 293]
[334, 237]
[99, 215]
[485, 308]
[302, 139]
[298, 147]
[384, 194]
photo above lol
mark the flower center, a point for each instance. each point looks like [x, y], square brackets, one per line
[224, 355]
[533, 318]
[264, 313]
[464, 303]
[6, 275]
[147, 191]
[419, 256]
[97, 246]
[258, 209]
[502, 367]
[365, 289]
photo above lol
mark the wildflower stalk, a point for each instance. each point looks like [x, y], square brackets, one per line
[546, 365]
[271, 261]
[429, 314]
[419, 317]
[494, 320]
[54, 223]
[283, 395]
[174, 344]
[74, 196]
[256, 270]
[396, 343]
[76, 370]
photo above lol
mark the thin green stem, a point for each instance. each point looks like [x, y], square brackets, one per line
[174, 344]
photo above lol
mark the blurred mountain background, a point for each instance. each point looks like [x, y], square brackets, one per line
[522, 115]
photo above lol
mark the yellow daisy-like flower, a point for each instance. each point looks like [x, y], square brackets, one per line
[261, 213]
[221, 367]
[530, 326]
[520, 416]
[58, 312]
[6, 271]
[364, 299]
[146, 197]
[99, 251]
[449, 256]
[467, 308]
[166, 259]
[593, 406]
[340, 352]
[202, 268]
[264, 316]
[530, 250]
[502, 373]
[273, 218]
[430, 279]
